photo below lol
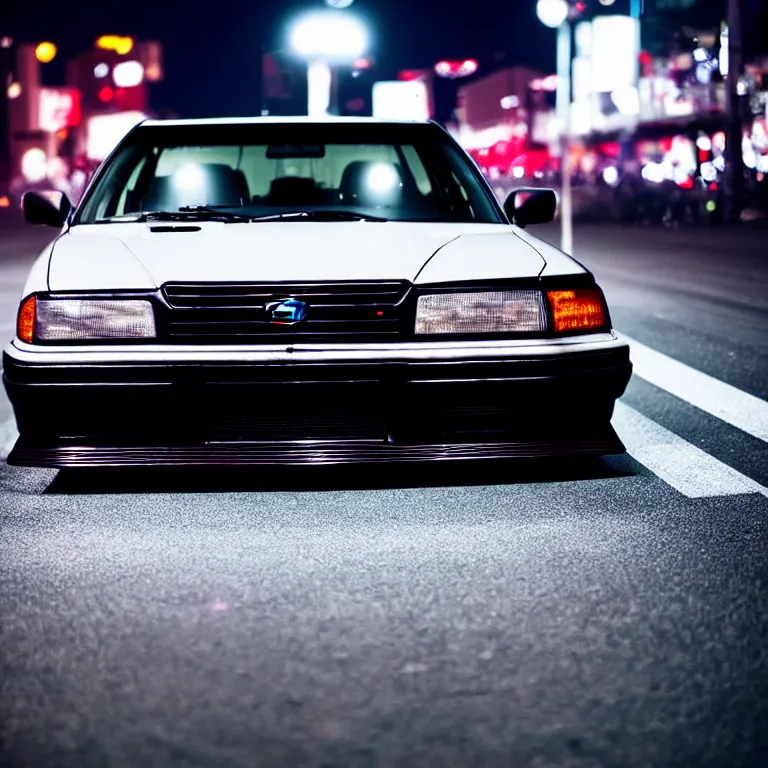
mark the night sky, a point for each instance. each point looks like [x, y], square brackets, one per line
[212, 57]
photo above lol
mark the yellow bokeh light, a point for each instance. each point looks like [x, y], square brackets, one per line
[116, 43]
[45, 52]
[124, 46]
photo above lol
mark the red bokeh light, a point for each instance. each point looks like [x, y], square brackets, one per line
[106, 94]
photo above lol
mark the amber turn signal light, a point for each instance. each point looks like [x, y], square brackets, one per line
[25, 327]
[580, 310]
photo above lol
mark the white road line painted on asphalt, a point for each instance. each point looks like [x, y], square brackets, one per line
[8, 437]
[739, 409]
[677, 462]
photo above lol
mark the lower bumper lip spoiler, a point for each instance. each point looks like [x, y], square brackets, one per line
[604, 442]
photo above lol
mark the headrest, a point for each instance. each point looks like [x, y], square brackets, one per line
[195, 184]
[371, 183]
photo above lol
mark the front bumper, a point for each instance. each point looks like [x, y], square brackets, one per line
[114, 406]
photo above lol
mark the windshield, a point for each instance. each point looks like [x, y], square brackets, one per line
[396, 172]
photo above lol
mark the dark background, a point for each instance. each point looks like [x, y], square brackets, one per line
[212, 50]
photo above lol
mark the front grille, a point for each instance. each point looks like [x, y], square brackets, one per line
[236, 313]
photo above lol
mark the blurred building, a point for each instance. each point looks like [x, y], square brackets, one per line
[113, 80]
[504, 121]
[658, 111]
[285, 86]
[53, 136]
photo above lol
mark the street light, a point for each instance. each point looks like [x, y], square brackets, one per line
[554, 14]
[325, 38]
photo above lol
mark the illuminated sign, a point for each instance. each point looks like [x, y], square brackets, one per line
[615, 52]
[58, 108]
[401, 100]
[106, 131]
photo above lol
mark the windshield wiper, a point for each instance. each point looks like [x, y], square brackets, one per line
[188, 213]
[210, 213]
[318, 216]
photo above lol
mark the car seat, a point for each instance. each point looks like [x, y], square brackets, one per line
[206, 184]
[370, 183]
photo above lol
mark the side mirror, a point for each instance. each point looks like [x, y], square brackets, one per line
[530, 206]
[50, 208]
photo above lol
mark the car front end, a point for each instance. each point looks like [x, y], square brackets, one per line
[144, 343]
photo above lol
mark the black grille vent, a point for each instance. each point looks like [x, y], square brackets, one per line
[236, 313]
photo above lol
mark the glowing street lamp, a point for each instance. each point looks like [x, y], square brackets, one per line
[330, 36]
[554, 14]
[325, 38]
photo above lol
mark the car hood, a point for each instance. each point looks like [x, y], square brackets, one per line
[132, 256]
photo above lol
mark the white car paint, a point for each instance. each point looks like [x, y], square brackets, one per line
[131, 256]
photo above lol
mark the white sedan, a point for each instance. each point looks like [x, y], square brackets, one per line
[283, 291]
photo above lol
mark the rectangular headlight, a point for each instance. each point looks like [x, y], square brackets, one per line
[481, 312]
[65, 319]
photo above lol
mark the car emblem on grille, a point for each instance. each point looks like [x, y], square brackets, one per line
[286, 311]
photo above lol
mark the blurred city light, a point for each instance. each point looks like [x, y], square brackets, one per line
[106, 131]
[101, 70]
[128, 74]
[611, 175]
[653, 172]
[627, 100]
[45, 52]
[339, 3]
[724, 50]
[615, 52]
[118, 44]
[34, 164]
[58, 108]
[153, 72]
[106, 94]
[552, 13]
[14, 90]
[5, 201]
[607, 2]
[330, 36]
[708, 172]
[319, 85]
[401, 100]
[455, 69]
[703, 73]
[704, 143]
[6, 42]
[510, 102]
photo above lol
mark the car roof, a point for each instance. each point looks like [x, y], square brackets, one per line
[292, 120]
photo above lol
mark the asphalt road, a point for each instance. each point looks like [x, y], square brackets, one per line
[603, 613]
